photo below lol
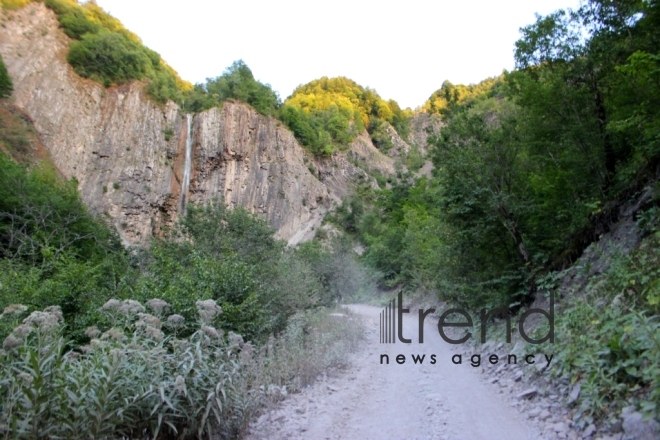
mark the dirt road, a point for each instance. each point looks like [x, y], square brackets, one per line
[398, 401]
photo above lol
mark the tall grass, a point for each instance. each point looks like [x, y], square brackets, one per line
[139, 380]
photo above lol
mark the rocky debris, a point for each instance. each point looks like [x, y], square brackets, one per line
[547, 403]
[400, 148]
[636, 428]
[545, 415]
[527, 394]
[575, 394]
[421, 125]
[589, 431]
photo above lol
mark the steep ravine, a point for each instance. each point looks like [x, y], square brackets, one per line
[128, 153]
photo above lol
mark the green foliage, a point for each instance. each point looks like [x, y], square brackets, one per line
[6, 84]
[322, 132]
[103, 50]
[13, 4]
[237, 83]
[450, 94]
[17, 136]
[327, 114]
[133, 381]
[109, 57]
[414, 160]
[610, 339]
[53, 252]
[168, 133]
[379, 135]
[42, 219]
[341, 276]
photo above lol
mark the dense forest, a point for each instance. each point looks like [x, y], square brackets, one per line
[530, 168]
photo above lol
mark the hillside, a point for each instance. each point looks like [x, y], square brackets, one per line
[128, 152]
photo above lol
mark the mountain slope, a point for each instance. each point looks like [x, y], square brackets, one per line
[128, 152]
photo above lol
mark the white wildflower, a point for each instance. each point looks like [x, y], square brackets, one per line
[55, 311]
[25, 377]
[131, 307]
[111, 304]
[157, 305]
[235, 339]
[92, 332]
[44, 321]
[175, 320]
[97, 343]
[14, 309]
[246, 353]
[154, 333]
[22, 331]
[11, 342]
[73, 356]
[208, 310]
[180, 384]
[145, 319]
[210, 331]
[114, 334]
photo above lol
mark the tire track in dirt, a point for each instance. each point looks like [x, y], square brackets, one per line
[409, 401]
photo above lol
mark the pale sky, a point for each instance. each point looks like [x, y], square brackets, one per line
[404, 50]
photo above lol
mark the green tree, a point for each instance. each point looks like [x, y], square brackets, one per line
[237, 82]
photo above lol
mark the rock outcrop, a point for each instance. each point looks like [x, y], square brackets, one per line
[111, 140]
[250, 160]
[127, 152]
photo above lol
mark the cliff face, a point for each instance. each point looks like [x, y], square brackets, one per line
[128, 153]
[111, 140]
[250, 160]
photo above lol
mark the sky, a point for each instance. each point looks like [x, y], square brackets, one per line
[404, 50]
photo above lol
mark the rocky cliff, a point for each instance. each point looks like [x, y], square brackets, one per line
[127, 152]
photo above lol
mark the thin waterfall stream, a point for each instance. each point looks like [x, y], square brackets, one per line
[186, 168]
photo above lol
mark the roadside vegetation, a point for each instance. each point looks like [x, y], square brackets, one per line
[189, 337]
[530, 168]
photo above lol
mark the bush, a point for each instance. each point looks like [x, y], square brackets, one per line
[379, 135]
[109, 57]
[75, 24]
[134, 381]
[6, 84]
[237, 82]
[42, 218]
[106, 52]
[13, 4]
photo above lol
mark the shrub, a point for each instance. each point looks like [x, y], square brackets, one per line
[42, 218]
[238, 83]
[6, 84]
[75, 24]
[379, 135]
[109, 57]
[134, 381]
[14, 4]
[106, 52]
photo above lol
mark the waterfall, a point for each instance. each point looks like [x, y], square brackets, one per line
[186, 168]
